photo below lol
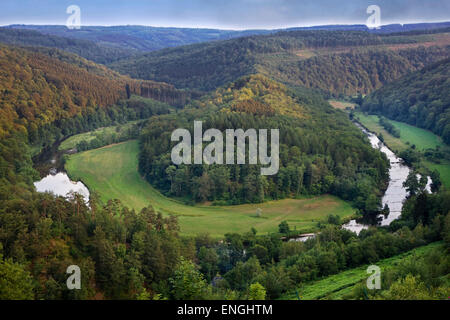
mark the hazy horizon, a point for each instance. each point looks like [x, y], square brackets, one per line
[224, 15]
[222, 29]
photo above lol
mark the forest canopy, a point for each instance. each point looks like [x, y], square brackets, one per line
[320, 151]
[421, 99]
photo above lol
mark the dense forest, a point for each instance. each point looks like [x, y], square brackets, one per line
[84, 48]
[146, 38]
[355, 72]
[129, 255]
[44, 98]
[320, 151]
[37, 89]
[421, 99]
[209, 65]
[47, 94]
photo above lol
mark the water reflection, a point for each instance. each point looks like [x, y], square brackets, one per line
[60, 185]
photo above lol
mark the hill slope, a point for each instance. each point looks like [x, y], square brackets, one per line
[40, 88]
[285, 57]
[421, 99]
[84, 48]
[320, 150]
[145, 38]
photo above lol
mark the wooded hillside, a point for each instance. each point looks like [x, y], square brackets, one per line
[421, 99]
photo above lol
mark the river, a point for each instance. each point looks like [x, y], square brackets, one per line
[55, 180]
[60, 184]
[395, 193]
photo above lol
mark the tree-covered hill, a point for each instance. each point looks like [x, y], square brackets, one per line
[84, 48]
[207, 66]
[139, 38]
[357, 71]
[146, 38]
[37, 89]
[320, 151]
[421, 99]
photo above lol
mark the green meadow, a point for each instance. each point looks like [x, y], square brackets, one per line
[409, 135]
[339, 285]
[112, 172]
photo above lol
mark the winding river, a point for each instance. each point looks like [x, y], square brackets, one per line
[395, 193]
[58, 182]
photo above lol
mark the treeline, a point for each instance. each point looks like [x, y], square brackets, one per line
[110, 135]
[281, 267]
[320, 151]
[389, 127]
[420, 99]
[125, 254]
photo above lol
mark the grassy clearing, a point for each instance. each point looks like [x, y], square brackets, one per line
[443, 169]
[341, 284]
[112, 173]
[72, 142]
[342, 105]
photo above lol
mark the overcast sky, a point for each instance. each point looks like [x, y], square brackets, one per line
[225, 14]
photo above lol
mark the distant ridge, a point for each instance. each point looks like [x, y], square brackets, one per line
[146, 39]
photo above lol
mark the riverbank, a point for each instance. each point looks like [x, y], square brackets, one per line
[112, 173]
[409, 136]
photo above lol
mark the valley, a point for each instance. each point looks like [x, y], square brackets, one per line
[112, 172]
[96, 110]
[410, 135]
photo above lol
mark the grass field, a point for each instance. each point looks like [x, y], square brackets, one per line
[112, 172]
[72, 142]
[423, 139]
[337, 286]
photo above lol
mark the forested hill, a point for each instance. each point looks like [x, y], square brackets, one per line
[320, 151]
[84, 48]
[48, 95]
[37, 88]
[421, 99]
[338, 62]
[145, 38]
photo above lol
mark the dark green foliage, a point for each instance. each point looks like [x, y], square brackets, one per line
[207, 66]
[415, 278]
[389, 127]
[283, 227]
[421, 99]
[320, 150]
[86, 49]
